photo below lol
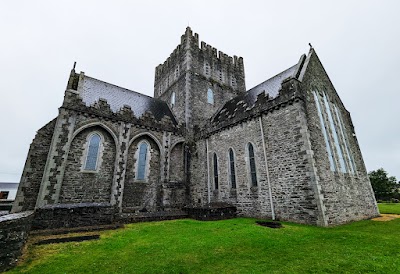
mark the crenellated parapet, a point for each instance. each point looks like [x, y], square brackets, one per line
[240, 110]
[101, 108]
[200, 59]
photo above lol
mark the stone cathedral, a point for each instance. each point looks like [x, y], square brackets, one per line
[284, 149]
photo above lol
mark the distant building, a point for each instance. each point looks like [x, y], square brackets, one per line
[285, 149]
[8, 191]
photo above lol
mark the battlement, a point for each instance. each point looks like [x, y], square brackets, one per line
[224, 59]
[204, 60]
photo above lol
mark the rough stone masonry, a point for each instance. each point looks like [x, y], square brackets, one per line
[285, 149]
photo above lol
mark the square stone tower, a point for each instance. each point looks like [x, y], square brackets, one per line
[197, 81]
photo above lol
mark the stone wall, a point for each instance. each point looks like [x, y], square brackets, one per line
[250, 200]
[142, 194]
[31, 179]
[347, 196]
[80, 185]
[176, 167]
[14, 230]
[73, 215]
[190, 71]
[289, 165]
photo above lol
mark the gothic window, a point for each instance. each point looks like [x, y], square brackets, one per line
[210, 96]
[252, 165]
[324, 132]
[173, 98]
[335, 135]
[93, 152]
[177, 72]
[346, 145]
[142, 161]
[215, 171]
[232, 174]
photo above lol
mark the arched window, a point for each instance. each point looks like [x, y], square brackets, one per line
[215, 171]
[210, 96]
[93, 152]
[324, 131]
[232, 174]
[334, 134]
[252, 164]
[142, 161]
[173, 99]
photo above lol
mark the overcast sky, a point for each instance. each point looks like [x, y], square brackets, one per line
[121, 42]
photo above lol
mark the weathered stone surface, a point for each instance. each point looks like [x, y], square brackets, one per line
[73, 215]
[81, 186]
[212, 212]
[14, 230]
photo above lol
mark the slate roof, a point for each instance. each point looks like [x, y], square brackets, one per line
[117, 97]
[246, 101]
[9, 185]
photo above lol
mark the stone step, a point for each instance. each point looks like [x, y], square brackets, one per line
[150, 216]
[66, 230]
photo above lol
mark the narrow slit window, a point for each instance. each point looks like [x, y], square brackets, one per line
[210, 96]
[93, 152]
[335, 136]
[232, 174]
[252, 163]
[215, 171]
[324, 132]
[142, 161]
[173, 98]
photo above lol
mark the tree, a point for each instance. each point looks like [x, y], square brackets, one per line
[385, 187]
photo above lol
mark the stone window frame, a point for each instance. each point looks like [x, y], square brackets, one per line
[229, 168]
[248, 165]
[216, 183]
[147, 165]
[99, 160]
[210, 96]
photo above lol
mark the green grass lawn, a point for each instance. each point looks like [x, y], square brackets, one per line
[229, 246]
[389, 208]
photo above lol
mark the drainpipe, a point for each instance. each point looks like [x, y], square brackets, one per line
[208, 174]
[266, 167]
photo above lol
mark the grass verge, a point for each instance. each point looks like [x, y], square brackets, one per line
[229, 246]
[389, 208]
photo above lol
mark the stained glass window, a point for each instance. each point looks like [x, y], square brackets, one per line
[252, 162]
[232, 175]
[93, 152]
[142, 161]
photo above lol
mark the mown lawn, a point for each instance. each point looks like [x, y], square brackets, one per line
[389, 208]
[230, 246]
